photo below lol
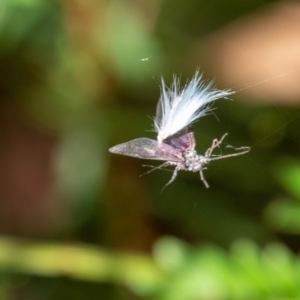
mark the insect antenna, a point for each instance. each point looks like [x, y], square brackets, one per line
[215, 144]
[154, 168]
[243, 150]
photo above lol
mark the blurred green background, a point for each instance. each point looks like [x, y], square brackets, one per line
[76, 222]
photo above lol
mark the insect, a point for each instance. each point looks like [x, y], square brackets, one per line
[177, 109]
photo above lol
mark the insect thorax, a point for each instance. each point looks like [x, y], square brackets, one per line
[194, 162]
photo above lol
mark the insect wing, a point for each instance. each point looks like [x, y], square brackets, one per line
[148, 149]
[183, 140]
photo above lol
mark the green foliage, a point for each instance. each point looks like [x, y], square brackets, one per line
[177, 270]
[283, 212]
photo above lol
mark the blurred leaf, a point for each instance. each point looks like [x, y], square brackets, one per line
[170, 254]
[128, 42]
[283, 214]
[287, 170]
[246, 255]
[29, 14]
[281, 270]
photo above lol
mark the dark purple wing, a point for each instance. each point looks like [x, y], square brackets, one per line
[148, 149]
[184, 140]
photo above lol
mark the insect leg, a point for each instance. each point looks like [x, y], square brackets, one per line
[203, 179]
[173, 177]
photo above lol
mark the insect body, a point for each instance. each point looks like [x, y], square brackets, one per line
[175, 143]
